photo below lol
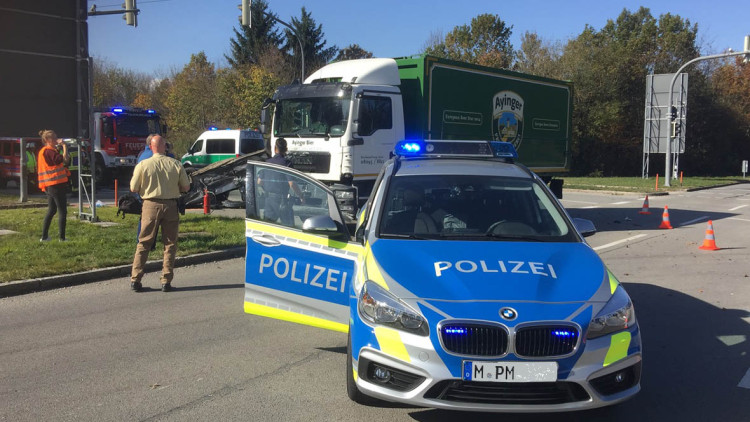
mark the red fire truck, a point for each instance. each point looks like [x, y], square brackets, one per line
[119, 135]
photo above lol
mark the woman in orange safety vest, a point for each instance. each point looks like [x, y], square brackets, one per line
[53, 180]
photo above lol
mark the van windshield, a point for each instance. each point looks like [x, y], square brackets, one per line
[319, 116]
[248, 145]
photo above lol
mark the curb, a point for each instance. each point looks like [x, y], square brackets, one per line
[20, 287]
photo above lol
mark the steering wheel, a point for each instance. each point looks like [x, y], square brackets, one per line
[510, 228]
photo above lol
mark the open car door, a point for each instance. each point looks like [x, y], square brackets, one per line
[300, 264]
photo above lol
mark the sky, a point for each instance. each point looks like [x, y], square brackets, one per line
[169, 31]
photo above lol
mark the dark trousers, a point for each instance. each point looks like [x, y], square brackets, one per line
[56, 201]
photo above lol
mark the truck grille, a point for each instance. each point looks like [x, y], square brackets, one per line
[530, 393]
[474, 339]
[311, 162]
[543, 341]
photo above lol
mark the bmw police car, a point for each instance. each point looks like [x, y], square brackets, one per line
[465, 285]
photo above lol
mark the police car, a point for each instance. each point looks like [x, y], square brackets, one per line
[465, 285]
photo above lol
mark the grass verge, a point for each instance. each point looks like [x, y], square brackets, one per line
[91, 246]
[637, 184]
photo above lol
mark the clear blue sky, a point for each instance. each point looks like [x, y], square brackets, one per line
[169, 31]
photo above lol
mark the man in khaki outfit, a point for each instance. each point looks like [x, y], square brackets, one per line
[159, 180]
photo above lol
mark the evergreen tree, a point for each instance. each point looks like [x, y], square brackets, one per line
[313, 43]
[249, 43]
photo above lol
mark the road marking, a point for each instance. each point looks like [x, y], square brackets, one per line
[589, 207]
[638, 236]
[736, 208]
[736, 218]
[620, 203]
[745, 381]
[695, 220]
[578, 202]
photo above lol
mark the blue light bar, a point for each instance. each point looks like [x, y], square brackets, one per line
[149, 111]
[563, 333]
[213, 128]
[454, 330]
[455, 149]
[117, 110]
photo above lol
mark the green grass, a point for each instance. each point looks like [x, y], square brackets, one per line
[93, 246]
[637, 184]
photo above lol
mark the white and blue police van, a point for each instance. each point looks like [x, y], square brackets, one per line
[464, 286]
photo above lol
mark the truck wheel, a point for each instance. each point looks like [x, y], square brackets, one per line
[101, 172]
[351, 386]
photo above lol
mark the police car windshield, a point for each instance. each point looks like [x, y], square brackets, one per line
[472, 207]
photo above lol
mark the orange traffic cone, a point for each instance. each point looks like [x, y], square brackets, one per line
[665, 219]
[709, 243]
[645, 210]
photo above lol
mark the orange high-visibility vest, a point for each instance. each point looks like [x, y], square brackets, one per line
[50, 175]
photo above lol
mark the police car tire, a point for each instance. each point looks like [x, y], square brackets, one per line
[351, 386]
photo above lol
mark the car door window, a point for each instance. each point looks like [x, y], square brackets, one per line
[288, 199]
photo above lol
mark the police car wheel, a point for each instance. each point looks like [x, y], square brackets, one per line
[351, 386]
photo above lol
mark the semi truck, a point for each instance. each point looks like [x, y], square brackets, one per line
[119, 135]
[343, 121]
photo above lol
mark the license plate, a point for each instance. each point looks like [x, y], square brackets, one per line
[510, 371]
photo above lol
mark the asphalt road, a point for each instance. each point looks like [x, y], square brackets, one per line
[100, 352]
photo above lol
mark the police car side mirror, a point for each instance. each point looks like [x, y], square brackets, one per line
[585, 227]
[320, 224]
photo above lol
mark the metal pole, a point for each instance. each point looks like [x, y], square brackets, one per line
[668, 171]
[299, 40]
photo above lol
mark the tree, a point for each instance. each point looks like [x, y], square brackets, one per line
[352, 52]
[537, 57]
[249, 43]
[313, 42]
[241, 92]
[114, 86]
[486, 41]
[192, 99]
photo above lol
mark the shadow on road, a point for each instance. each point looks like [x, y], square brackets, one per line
[625, 219]
[694, 356]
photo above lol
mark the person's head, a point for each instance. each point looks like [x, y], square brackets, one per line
[49, 137]
[280, 147]
[156, 143]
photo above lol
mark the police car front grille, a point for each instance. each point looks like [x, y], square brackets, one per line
[529, 393]
[311, 162]
[474, 339]
[543, 341]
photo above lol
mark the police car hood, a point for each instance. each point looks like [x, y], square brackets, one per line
[490, 270]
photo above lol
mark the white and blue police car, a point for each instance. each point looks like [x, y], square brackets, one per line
[465, 286]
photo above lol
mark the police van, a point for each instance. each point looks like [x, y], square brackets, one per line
[465, 284]
[215, 145]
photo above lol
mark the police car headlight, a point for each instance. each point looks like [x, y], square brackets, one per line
[379, 306]
[618, 314]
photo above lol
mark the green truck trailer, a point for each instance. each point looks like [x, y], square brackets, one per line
[342, 123]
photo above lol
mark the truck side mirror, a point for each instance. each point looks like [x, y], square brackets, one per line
[355, 140]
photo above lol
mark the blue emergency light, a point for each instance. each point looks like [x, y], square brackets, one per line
[149, 111]
[455, 149]
[117, 110]
[213, 128]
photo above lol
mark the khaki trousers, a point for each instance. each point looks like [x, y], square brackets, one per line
[157, 213]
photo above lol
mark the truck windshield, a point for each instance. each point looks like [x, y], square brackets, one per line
[136, 126]
[319, 116]
[472, 207]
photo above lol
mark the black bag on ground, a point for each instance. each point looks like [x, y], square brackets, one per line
[129, 203]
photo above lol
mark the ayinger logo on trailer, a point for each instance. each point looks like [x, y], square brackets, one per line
[507, 117]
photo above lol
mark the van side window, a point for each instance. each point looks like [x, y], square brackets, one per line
[248, 145]
[220, 146]
[374, 113]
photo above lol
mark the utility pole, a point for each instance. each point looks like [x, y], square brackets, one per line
[670, 173]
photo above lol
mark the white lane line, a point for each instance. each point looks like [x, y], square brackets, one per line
[695, 220]
[589, 207]
[736, 208]
[745, 381]
[638, 236]
[735, 218]
[620, 203]
[578, 202]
